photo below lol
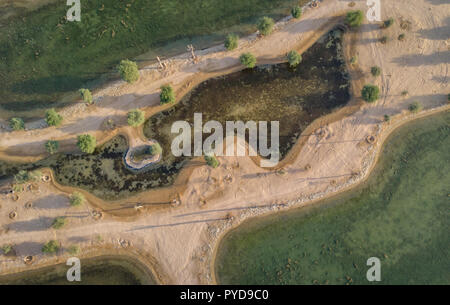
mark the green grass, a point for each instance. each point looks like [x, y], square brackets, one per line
[400, 215]
[42, 56]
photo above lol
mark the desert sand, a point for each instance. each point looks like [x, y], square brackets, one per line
[181, 240]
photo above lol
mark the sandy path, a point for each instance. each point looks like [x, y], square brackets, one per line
[183, 239]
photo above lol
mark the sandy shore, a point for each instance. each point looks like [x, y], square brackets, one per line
[182, 239]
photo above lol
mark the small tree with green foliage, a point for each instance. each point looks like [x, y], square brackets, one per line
[212, 161]
[296, 12]
[387, 118]
[265, 25]
[248, 60]
[370, 93]
[58, 222]
[16, 124]
[231, 42]
[7, 249]
[354, 19]
[52, 146]
[136, 117]
[294, 58]
[401, 37]
[76, 199]
[50, 247]
[53, 118]
[21, 177]
[167, 95]
[86, 143]
[128, 70]
[387, 23]
[155, 149]
[86, 95]
[384, 39]
[376, 71]
[415, 107]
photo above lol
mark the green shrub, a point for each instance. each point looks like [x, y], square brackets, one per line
[21, 177]
[17, 124]
[7, 249]
[296, 12]
[265, 25]
[167, 95]
[387, 23]
[86, 95]
[370, 93]
[354, 60]
[387, 118]
[52, 146]
[86, 143]
[376, 71]
[76, 199]
[212, 161]
[401, 37]
[415, 107]
[35, 175]
[404, 93]
[155, 149]
[73, 250]
[248, 60]
[53, 118]
[128, 70]
[354, 19]
[50, 247]
[384, 39]
[231, 42]
[58, 222]
[294, 58]
[136, 118]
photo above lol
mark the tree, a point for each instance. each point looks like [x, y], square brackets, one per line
[415, 107]
[17, 124]
[167, 95]
[86, 95]
[265, 25]
[231, 42]
[370, 93]
[376, 71]
[387, 118]
[128, 70]
[50, 247]
[136, 117]
[52, 146]
[296, 12]
[294, 58]
[384, 39]
[354, 19]
[87, 143]
[58, 222]
[7, 249]
[21, 177]
[155, 149]
[76, 199]
[387, 23]
[212, 161]
[248, 60]
[53, 118]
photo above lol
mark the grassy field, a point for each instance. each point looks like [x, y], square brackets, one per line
[400, 215]
[43, 57]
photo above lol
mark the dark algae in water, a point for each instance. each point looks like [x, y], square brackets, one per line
[294, 97]
[400, 215]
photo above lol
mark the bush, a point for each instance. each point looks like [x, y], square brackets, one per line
[354, 19]
[376, 71]
[415, 107]
[387, 118]
[404, 93]
[248, 60]
[401, 37]
[128, 71]
[76, 199]
[231, 42]
[7, 249]
[73, 249]
[167, 95]
[136, 117]
[296, 12]
[58, 222]
[87, 143]
[23, 176]
[212, 161]
[354, 60]
[294, 58]
[387, 23]
[52, 146]
[86, 95]
[384, 39]
[53, 118]
[50, 247]
[155, 149]
[370, 93]
[17, 124]
[265, 25]
[35, 175]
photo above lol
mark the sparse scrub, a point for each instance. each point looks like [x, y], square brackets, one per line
[86, 95]
[76, 199]
[354, 19]
[136, 118]
[404, 93]
[265, 25]
[50, 247]
[7, 249]
[16, 124]
[52, 146]
[155, 149]
[53, 118]
[388, 23]
[401, 37]
[73, 250]
[387, 118]
[384, 39]
[167, 95]
[294, 58]
[86, 143]
[212, 161]
[59, 222]
[370, 93]
[231, 42]
[376, 71]
[248, 60]
[296, 12]
[415, 107]
[354, 60]
[128, 70]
